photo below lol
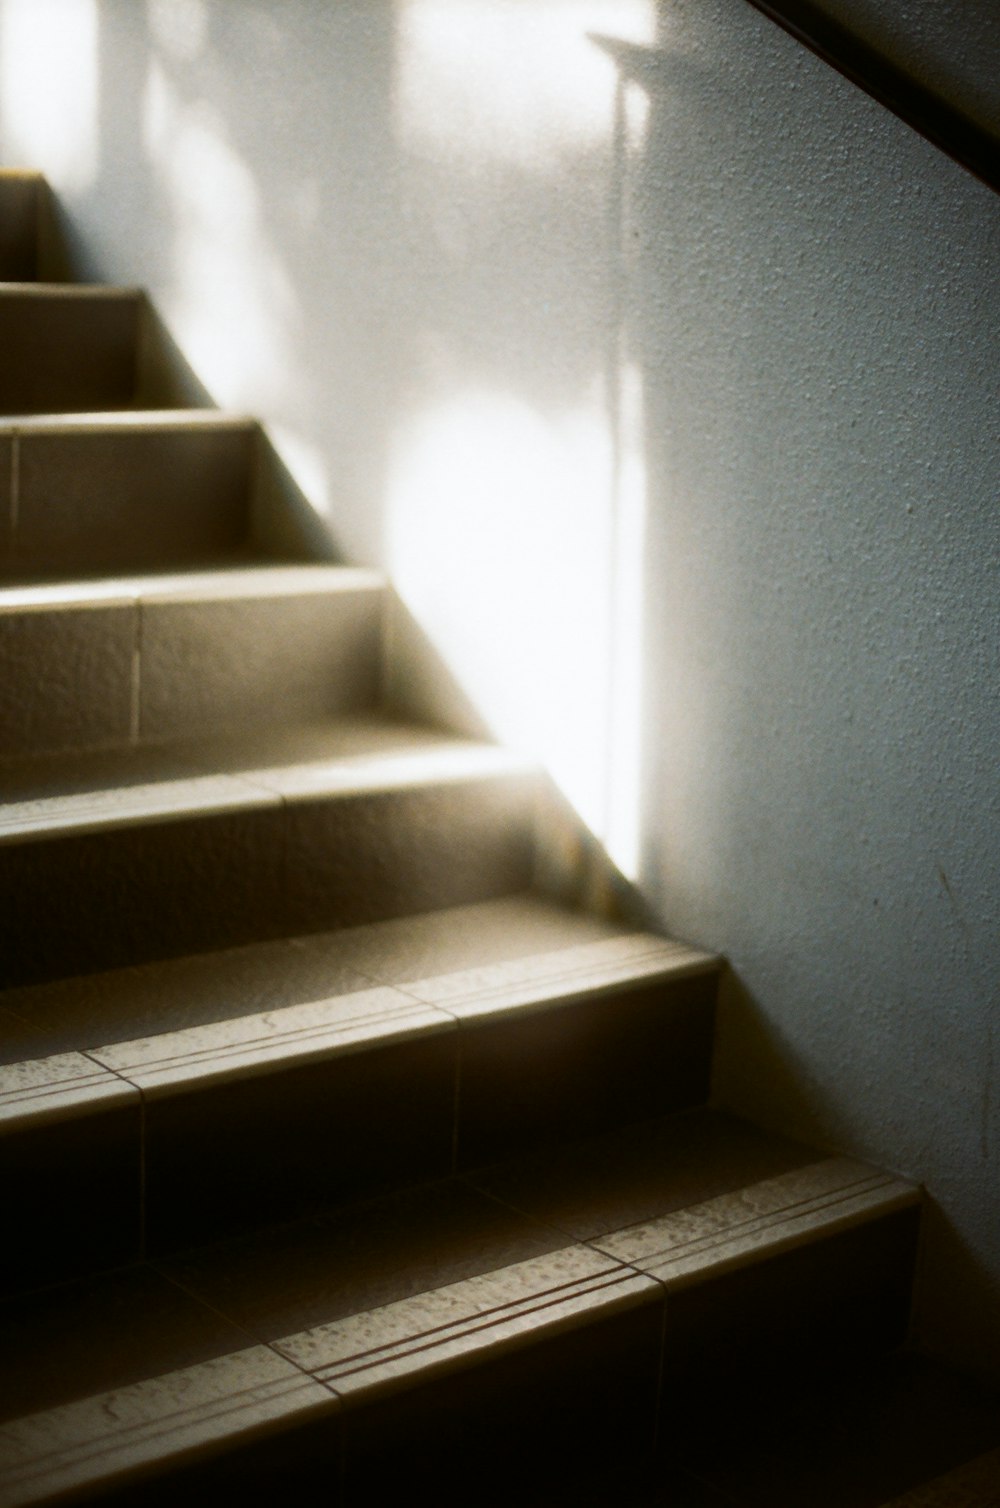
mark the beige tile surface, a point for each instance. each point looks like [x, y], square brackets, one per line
[113, 1435]
[255, 1044]
[66, 674]
[434, 1331]
[64, 1086]
[172, 995]
[773, 1215]
[247, 659]
[497, 991]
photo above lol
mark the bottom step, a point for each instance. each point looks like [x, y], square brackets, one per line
[477, 1335]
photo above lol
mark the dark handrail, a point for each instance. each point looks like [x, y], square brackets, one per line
[944, 124]
[963, 139]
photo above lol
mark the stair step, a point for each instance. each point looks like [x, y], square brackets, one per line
[152, 491]
[69, 348]
[129, 661]
[416, 1337]
[364, 1039]
[20, 195]
[131, 856]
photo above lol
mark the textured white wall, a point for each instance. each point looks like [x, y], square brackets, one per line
[823, 305]
[719, 390]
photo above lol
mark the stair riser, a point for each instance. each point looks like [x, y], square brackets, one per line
[627, 1056]
[266, 1148]
[76, 501]
[110, 674]
[283, 1139]
[803, 1313]
[19, 227]
[593, 1399]
[68, 353]
[99, 900]
[616, 1393]
[280, 1467]
[73, 1191]
[517, 1428]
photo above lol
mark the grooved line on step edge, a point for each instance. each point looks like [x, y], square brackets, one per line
[582, 1291]
[131, 1436]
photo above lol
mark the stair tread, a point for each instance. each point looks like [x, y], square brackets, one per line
[129, 420]
[243, 1009]
[360, 1303]
[19, 575]
[73, 292]
[98, 791]
[248, 581]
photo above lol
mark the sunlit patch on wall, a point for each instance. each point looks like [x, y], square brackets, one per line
[626, 574]
[499, 542]
[49, 88]
[179, 26]
[517, 505]
[516, 80]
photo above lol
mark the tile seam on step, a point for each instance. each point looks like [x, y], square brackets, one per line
[40, 1101]
[556, 1272]
[363, 1032]
[852, 1207]
[867, 1178]
[463, 1291]
[135, 705]
[15, 487]
[464, 1340]
[591, 978]
[463, 1333]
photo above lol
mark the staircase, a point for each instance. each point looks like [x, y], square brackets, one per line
[337, 1156]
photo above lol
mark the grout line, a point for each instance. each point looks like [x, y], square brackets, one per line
[143, 1249]
[15, 485]
[160, 1264]
[136, 683]
[456, 1100]
[89, 1054]
[660, 1370]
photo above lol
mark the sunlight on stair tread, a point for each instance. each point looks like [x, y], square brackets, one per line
[236, 581]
